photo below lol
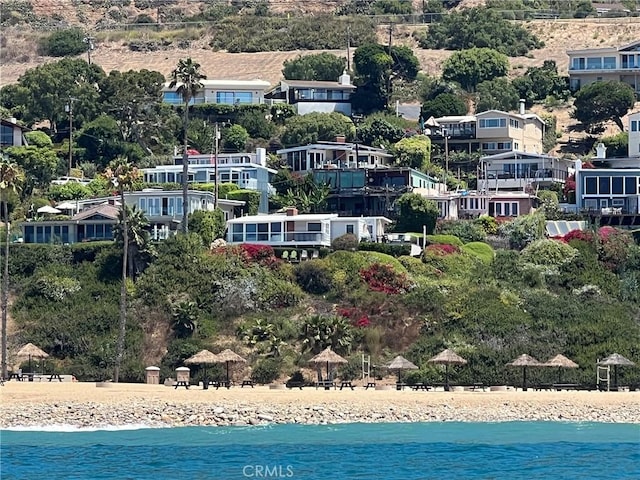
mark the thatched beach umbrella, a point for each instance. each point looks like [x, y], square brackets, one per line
[560, 361]
[525, 361]
[229, 356]
[31, 351]
[447, 357]
[329, 357]
[204, 358]
[400, 364]
[616, 359]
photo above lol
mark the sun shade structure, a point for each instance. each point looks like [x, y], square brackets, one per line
[66, 206]
[31, 351]
[616, 360]
[48, 209]
[560, 362]
[447, 357]
[329, 357]
[525, 361]
[400, 364]
[204, 358]
[229, 356]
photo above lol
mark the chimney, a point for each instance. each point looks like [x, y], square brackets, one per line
[345, 78]
[340, 139]
[601, 151]
[291, 211]
[522, 102]
[14, 120]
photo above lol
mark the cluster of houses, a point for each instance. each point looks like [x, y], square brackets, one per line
[364, 181]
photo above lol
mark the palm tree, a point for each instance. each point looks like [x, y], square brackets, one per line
[122, 175]
[11, 178]
[187, 77]
[140, 249]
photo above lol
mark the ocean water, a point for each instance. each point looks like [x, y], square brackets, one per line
[396, 451]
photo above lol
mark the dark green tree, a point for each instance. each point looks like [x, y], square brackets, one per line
[600, 102]
[479, 28]
[415, 211]
[413, 152]
[497, 94]
[235, 138]
[318, 66]
[38, 161]
[379, 132]
[47, 88]
[313, 127]
[63, 43]
[538, 83]
[473, 66]
[444, 104]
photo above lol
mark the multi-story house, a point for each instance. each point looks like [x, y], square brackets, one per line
[293, 230]
[601, 64]
[226, 92]
[491, 132]
[247, 170]
[314, 96]
[12, 134]
[611, 190]
[95, 218]
[520, 171]
[362, 179]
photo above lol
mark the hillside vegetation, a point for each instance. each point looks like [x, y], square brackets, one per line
[580, 297]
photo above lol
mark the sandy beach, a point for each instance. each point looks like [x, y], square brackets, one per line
[87, 405]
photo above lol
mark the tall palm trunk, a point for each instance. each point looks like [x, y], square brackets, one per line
[123, 291]
[5, 290]
[185, 173]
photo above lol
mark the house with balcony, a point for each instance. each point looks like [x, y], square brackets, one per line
[94, 219]
[610, 192]
[293, 230]
[634, 134]
[225, 92]
[11, 133]
[314, 96]
[490, 132]
[246, 170]
[333, 155]
[602, 64]
[521, 171]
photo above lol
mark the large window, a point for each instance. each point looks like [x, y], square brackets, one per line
[591, 185]
[631, 185]
[314, 227]
[234, 98]
[609, 63]
[6, 136]
[594, 63]
[605, 187]
[634, 125]
[493, 122]
[616, 186]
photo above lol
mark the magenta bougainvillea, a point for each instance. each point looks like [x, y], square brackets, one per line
[578, 235]
[383, 278]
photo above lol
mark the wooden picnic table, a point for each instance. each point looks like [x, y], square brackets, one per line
[420, 386]
[182, 383]
[247, 383]
[370, 385]
[347, 384]
[326, 384]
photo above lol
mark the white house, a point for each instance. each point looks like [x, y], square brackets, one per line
[227, 92]
[12, 134]
[291, 229]
[314, 96]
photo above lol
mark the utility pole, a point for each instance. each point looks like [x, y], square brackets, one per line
[391, 56]
[215, 165]
[90, 46]
[69, 109]
[348, 49]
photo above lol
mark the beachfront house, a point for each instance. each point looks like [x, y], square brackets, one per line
[225, 92]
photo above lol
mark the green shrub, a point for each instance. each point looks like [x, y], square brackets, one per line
[443, 240]
[488, 224]
[465, 230]
[266, 371]
[481, 250]
[387, 248]
[64, 43]
[348, 241]
[548, 253]
[417, 267]
[378, 257]
[313, 277]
